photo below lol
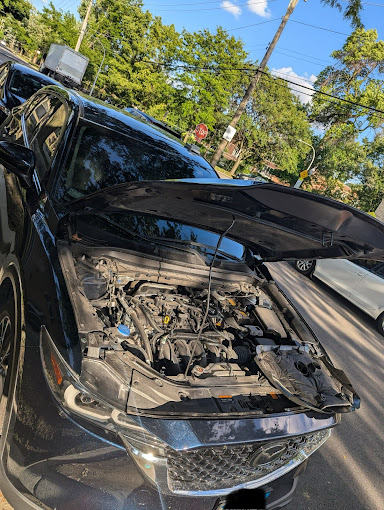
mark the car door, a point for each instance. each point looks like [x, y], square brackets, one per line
[369, 292]
[341, 275]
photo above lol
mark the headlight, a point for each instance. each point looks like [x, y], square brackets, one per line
[145, 448]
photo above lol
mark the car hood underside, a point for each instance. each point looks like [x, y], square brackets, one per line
[276, 222]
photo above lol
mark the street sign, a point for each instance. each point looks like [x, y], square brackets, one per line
[201, 132]
[303, 174]
[229, 133]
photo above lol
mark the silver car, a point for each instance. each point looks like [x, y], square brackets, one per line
[360, 281]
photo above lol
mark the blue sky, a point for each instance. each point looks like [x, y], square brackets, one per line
[302, 51]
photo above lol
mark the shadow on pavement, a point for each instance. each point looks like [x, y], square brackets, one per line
[347, 472]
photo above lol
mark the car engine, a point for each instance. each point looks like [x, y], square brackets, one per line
[160, 323]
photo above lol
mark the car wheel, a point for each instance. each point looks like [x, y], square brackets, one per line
[8, 352]
[380, 323]
[305, 267]
[7, 335]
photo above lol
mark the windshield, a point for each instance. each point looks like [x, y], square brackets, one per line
[101, 158]
[155, 230]
[24, 85]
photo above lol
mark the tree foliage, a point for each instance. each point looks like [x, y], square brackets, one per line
[205, 78]
[351, 10]
[18, 9]
[271, 128]
[345, 149]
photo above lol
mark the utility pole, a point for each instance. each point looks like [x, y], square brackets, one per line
[219, 151]
[84, 27]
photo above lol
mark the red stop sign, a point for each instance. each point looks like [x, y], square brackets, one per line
[201, 132]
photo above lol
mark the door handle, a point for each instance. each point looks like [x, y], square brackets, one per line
[359, 274]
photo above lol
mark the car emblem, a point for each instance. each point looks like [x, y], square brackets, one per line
[268, 453]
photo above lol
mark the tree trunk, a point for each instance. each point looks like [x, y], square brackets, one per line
[236, 165]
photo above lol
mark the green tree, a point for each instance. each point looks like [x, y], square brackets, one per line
[205, 81]
[270, 129]
[17, 9]
[341, 152]
[370, 191]
[132, 39]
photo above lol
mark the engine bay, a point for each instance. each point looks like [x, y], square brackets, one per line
[160, 323]
[158, 336]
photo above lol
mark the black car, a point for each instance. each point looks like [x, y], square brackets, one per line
[144, 117]
[148, 360]
[17, 84]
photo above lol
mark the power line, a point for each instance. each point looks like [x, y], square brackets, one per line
[291, 21]
[254, 24]
[216, 68]
[193, 3]
[314, 91]
[67, 4]
[298, 58]
[204, 9]
[306, 55]
[319, 28]
[368, 3]
[217, 1]
[259, 46]
[275, 71]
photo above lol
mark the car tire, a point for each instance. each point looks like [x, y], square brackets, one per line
[380, 323]
[305, 267]
[7, 336]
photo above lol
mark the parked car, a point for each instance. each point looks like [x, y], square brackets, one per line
[144, 117]
[17, 84]
[148, 360]
[250, 177]
[359, 281]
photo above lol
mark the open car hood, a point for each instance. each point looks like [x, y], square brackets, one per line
[274, 221]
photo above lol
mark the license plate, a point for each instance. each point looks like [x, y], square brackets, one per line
[245, 499]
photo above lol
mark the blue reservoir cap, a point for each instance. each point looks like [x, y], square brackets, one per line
[124, 330]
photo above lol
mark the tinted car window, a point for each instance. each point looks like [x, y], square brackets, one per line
[25, 85]
[50, 129]
[379, 270]
[102, 158]
[367, 264]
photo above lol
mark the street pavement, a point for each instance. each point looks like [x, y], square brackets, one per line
[346, 473]
[6, 54]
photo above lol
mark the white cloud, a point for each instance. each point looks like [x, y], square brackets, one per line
[44, 1]
[231, 7]
[259, 7]
[303, 94]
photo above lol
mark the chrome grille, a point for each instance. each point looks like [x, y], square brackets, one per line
[222, 467]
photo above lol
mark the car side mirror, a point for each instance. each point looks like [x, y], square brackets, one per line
[19, 160]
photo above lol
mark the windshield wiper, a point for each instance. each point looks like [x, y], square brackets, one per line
[151, 240]
[199, 245]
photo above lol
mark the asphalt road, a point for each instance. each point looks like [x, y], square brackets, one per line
[6, 54]
[347, 472]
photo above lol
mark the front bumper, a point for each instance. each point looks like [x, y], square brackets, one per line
[51, 461]
[54, 490]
